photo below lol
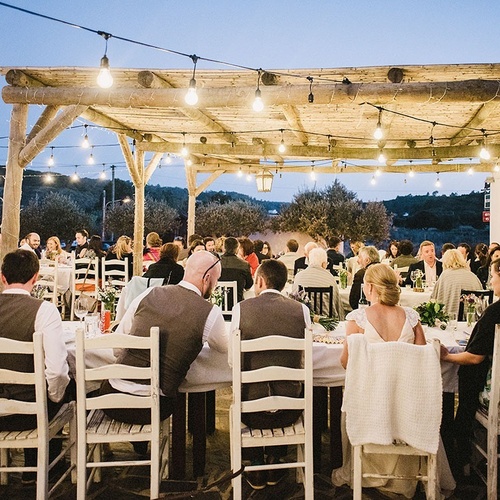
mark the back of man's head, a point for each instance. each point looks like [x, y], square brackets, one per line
[230, 245]
[333, 242]
[405, 247]
[274, 273]
[292, 245]
[203, 270]
[309, 246]
[20, 266]
[258, 245]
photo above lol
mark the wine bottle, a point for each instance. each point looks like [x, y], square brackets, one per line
[362, 300]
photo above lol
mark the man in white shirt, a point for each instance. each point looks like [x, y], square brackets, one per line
[20, 316]
[32, 243]
[429, 265]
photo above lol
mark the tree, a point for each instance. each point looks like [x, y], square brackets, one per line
[55, 215]
[335, 211]
[158, 217]
[234, 218]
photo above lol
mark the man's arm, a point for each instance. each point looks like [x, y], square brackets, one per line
[215, 332]
[48, 321]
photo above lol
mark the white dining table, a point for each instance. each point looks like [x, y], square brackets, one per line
[63, 276]
[408, 297]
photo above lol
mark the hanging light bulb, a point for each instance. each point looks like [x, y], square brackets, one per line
[282, 147]
[470, 171]
[240, 173]
[438, 182]
[484, 153]
[258, 105]
[85, 142]
[191, 97]
[411, 173]
[378, 173]
[248, 177]
[168, 159]
[310, 97]
[313, 173]
[104, 78]
[51, 161]
[75, 177]
[102, 175]
[373, 180]
[381, 157]
[189, 162]
[91, 160]
[378, 133]
[496, 168]
[184, 149]
[48, 177]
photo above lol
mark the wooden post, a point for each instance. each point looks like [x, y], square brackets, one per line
[191, 186]
[495, 208]
[13, 180]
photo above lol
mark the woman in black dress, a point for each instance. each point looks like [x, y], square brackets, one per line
[167, 267]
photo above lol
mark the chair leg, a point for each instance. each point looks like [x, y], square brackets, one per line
[155, 467]
[73, 450]
[492, 464]
[81, 470]
[358, 472]
[42, 474]
[432, 475]
[4, 462]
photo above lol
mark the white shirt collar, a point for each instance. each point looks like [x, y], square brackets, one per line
[190, 286]
[19, 291]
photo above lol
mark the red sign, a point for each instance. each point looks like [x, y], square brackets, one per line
[486, 216]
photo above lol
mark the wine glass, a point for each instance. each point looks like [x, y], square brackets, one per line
[81, 308]
[413, 277]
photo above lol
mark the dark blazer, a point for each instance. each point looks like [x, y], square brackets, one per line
[167, 269]
[300, 264]
[420, 265]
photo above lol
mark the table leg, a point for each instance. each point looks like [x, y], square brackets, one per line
[178, 464]
[210, 412]
[198, 407]
[320, 406]
[447, 422]
[335, 429]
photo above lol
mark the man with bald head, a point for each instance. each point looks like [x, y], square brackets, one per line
[186, 320]
[32, 244]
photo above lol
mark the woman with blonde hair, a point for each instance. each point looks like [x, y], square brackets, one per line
[54, 251]
[122, 250]
[455, 277]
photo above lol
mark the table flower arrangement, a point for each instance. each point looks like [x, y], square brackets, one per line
[343, 274]
[38, 291]
[107, 297]
[329, 324]
[471, 303]
[217, 296]
[433, 313]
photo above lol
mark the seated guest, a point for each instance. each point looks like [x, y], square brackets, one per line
[429, 265]
[405, 257]
[480, 257]
[316, 275]
[269, 313]
[186, 320]
[392, 252]
[121, 250]
[258, 246]
[474, 365]
[32, 244]
[483, 273]
[246, 252]
[151, 252]
[290, 256]
[366, 257]
[167, 267]
[179, 241]
[351, 261]
[335, 258]
[195, 246]
[234, 268]
[209, 243]
[95, 248]
[266, 250]
[20, 316]
[465, 250]
[303, 262]
[446, 247]
[53, 251]
[81, 237]
[385, 321]
[454, 278]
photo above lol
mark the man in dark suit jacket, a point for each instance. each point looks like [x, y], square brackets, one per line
[333, 254]
[429, 265]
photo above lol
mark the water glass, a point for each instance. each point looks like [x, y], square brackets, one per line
[92, 325]
[453, 320]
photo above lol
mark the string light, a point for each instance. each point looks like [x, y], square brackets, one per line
[85, 142]
[240, 173]
[373, 181]
[310, 97]
[191, 97]
[431, 138]
[258, 105]
[282, 147]
[313, 173]
[378, 133]
[378, 172]
[184, 149]
[102, 175]
[48, 177]
[438, 182]
[75, 177]
[470, 171]
[189, 162]
[484, 153]
[411, 173]
[248, 178]
[91, 160]
[105, 78]
[496, 168]
[381, 157]
[168, 159]
[51, 161]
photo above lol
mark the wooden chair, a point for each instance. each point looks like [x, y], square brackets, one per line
[299, 434]
[47, 277]
[229, 297]
[95, 428]
[85, 278]
[321, 298]
[115, 273]
[46, 430]
[360, 404]
[488, 419]
[477, 293]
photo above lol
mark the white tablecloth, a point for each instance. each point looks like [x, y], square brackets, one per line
[63, 277]
[408, 297]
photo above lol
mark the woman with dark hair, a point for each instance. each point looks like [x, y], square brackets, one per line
[392, 251]
[196, 246]
[481, 256]
[167, 267]
[483, 273]
[95, 248]
[246, 252]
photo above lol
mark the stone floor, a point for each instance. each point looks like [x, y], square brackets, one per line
[133, 483]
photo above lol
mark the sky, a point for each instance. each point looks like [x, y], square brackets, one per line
[273, 34]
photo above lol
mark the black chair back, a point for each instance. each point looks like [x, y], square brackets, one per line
[319, 297]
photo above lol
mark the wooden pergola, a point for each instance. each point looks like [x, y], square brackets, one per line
[433, 118]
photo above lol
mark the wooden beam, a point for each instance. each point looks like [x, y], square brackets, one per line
[215, 175]
[148, 79]
[18, 78]
[191, 186]
[104, 121]
[293, 120]
[252, 151]
[468, 91]
[46, 135]
[129, 159]
[461, 137]
[48, 114]
[151, 167]
[12, 189]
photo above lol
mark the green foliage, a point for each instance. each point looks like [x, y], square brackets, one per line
[335, 211]
[234, 218]
[432, 313]
[158, 217]
[54, 215]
